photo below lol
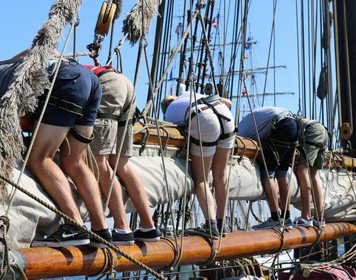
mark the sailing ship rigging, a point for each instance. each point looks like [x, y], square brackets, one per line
[158, 143]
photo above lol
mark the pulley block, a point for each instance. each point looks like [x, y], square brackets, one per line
[346, 131]
[105, 18]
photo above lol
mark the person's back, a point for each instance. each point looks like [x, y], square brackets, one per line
[278, 131]
[263, 117]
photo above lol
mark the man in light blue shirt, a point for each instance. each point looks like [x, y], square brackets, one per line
[278, 131]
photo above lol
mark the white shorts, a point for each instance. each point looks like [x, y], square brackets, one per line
[210, 130]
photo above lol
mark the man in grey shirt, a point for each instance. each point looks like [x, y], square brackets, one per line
[278, 131]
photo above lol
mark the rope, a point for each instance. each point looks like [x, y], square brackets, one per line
[162, 151]
[269, 50]
[149, 103]
[70, 220]
[34, 134]
[30, 80]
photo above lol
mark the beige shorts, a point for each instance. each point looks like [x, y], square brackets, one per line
[107, 138]
[117, 95]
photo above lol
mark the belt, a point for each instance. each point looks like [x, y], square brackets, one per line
[216, 103]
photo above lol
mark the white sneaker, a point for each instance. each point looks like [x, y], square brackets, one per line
[316, 223]
[288, 224]
[300, 221]
[270, 223]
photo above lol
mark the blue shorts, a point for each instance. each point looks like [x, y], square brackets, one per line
[285, 131]
[78, 85]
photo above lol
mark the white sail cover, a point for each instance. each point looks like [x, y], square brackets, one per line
[29, 219]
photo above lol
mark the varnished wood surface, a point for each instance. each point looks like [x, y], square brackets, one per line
[85, 260]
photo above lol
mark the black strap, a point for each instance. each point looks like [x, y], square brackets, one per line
[108, 116]
[205, 144]
[80, 137]
[106, 71]
[227, 135]
[63, 104]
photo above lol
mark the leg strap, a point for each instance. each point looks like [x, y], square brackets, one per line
[81, 137]
[205, 144]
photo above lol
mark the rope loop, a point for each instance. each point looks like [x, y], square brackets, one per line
[213, 252]
[143, 41]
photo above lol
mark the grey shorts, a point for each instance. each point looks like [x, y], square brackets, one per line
[318, 135]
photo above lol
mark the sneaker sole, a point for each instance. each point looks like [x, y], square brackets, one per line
[97, 244]
[147, 239]
[124, 243]
[60, 244]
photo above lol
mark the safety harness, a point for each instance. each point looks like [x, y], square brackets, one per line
[66, 105]
[210, 102]
[302, 142]
[99, 71]
[59, 102]
[274, 143]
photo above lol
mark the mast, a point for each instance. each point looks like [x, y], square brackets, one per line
[345, 31]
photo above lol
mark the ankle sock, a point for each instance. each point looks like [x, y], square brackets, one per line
[274, 216]
[147, 229]
[122, 231]
[219, 223]
[212, 222]
[287, 214]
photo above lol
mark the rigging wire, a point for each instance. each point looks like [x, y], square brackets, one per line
[269, 49]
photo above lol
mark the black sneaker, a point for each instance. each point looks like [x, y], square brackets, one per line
[204, 231]
[104, 234]
[66, 235]
[122, 238]
[149, 236]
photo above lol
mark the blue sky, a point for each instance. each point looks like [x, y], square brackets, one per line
[20, 21]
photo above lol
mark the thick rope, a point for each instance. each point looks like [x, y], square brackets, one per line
[30, 81]
[132, 25]
[70, 220]
[34, 134]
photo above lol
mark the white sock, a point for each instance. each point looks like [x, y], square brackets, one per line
[122, 231]
[147, 229]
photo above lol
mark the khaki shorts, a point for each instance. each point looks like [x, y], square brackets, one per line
[117, 95]
[317, 134]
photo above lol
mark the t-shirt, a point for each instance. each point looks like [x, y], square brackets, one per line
[177, 111]
[263, 117]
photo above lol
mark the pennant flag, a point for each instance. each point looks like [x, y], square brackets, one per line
[215, 24]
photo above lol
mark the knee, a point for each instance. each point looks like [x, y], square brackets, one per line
[219, 175]
[70, 165]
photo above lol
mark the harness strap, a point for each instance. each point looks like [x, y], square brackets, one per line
[109, 116]
[284, 144]
[227, 135]
[63, 104]
[80, 137]
[205, 144]
[274, 143]
[281, 116]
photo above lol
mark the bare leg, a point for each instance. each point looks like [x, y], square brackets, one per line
[116, 204]
[271, 192]
[74, 165]
[305, 190]
[220, 173]
[51, 177]
[201, 188]
[283, 190]
[317, 192]
[135, 189]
